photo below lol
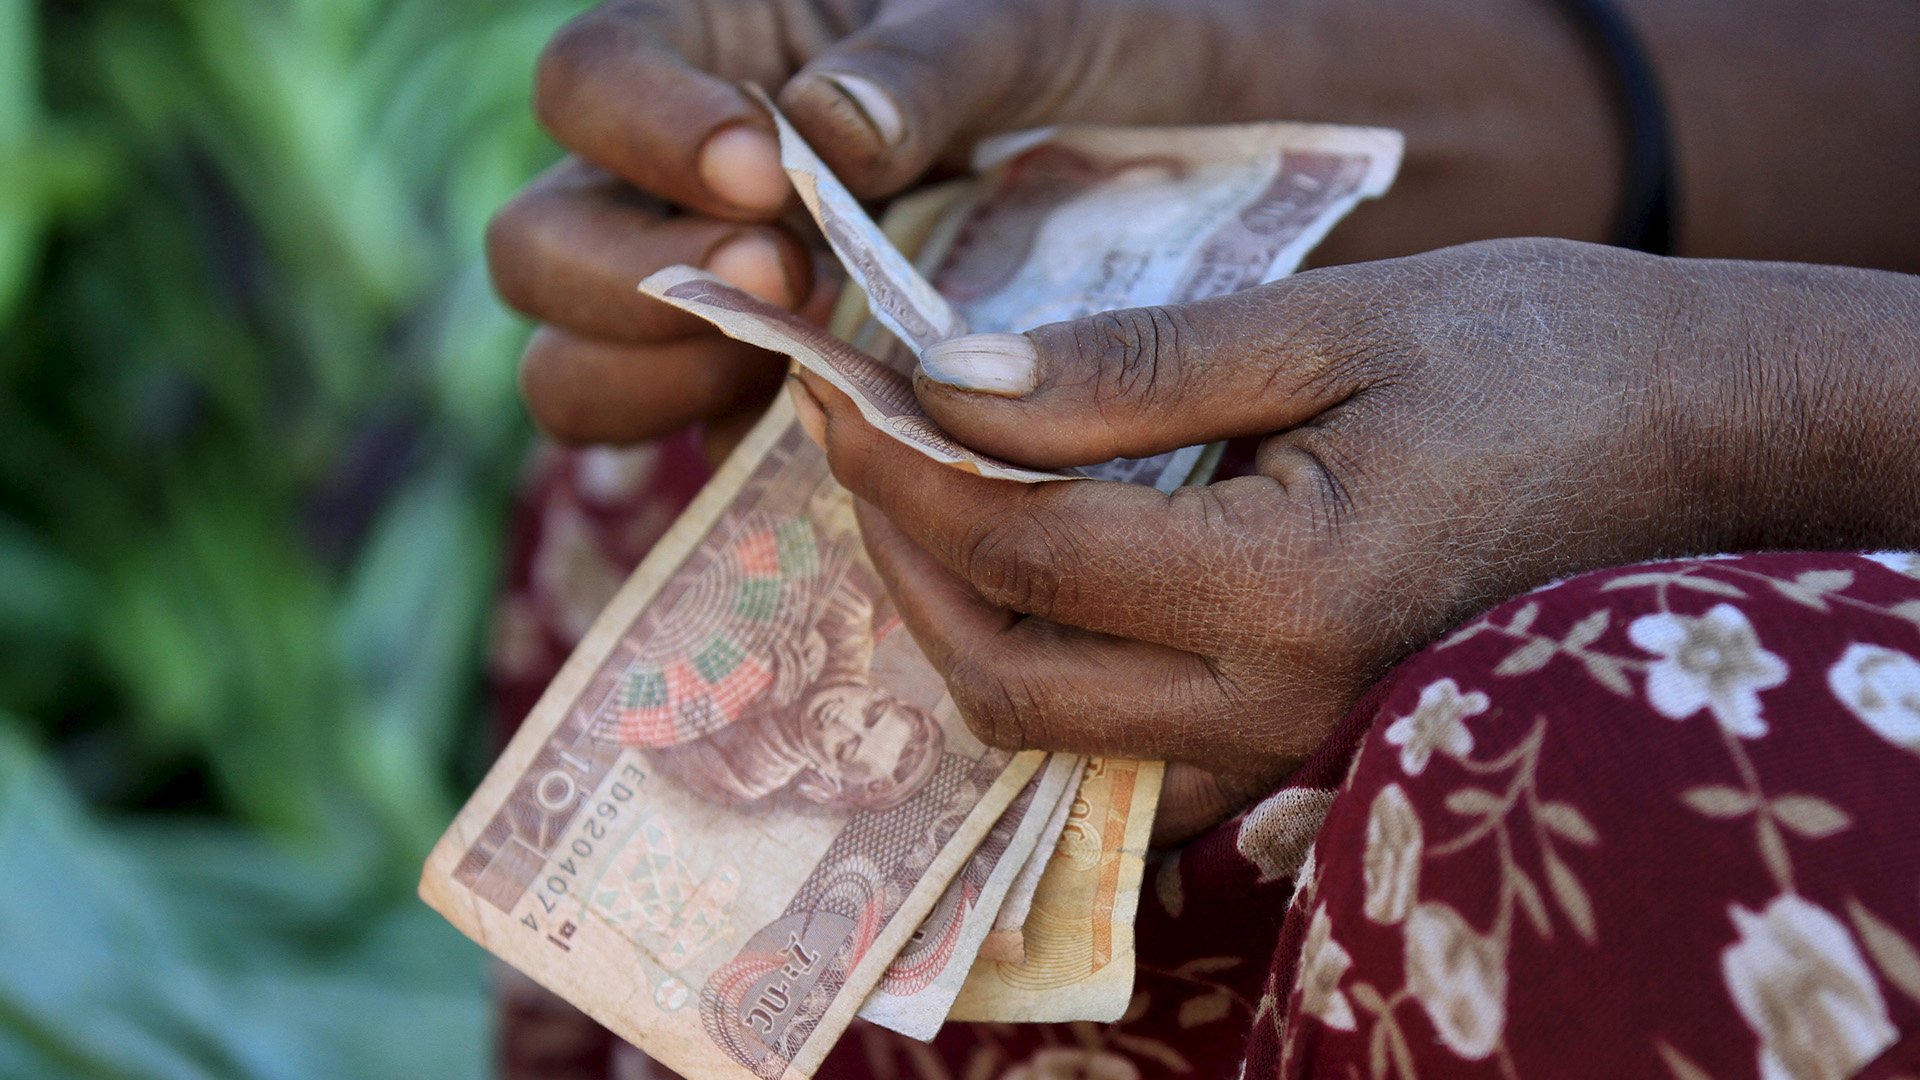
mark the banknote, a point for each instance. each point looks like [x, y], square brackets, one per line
[1066, 222]
[742, 795]
[1006, 941]
[1078, 938]
[919, 987]
[884, 395]
[747, 792]
[902, 300]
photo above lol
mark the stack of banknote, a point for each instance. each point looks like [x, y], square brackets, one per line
[746, 811]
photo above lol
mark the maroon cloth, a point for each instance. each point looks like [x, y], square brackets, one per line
[1660, 820]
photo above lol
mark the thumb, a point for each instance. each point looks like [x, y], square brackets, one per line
[1142, 381]
[881, 105]
[927, 78]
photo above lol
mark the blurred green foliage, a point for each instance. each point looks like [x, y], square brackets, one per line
[258, 435]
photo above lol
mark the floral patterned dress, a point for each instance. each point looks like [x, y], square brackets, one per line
[1660, 820]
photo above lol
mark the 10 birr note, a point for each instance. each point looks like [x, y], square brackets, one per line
[747, 801]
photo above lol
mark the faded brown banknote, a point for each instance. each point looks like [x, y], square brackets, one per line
[1004, 940]
[1041, 242]
[901, 299]
[1071, 221]
[1079, 933]
[884, 395]
[1068, 223]
[678, 841]
[742, 795]
[921, 983]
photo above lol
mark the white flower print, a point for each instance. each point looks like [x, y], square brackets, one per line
[1713, 662]
[1323, 963]
[1436, 723]
[1803, 987]
[1881, 686]
[1459, 977]
[1900, 562]
[1391, 865]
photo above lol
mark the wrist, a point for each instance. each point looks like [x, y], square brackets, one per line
[1800, 405]
[1511, 124]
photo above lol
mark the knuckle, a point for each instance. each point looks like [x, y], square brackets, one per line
[551, 392]
[1014, 560]
[512, 248]
[566, 64]
[1346, 329]
[1135, 354]
[986, 703]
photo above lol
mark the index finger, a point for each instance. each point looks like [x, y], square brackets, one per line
[643, 90]
[1120, 559]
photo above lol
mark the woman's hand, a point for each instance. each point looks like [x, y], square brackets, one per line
[1509, 132]
[1442, 432]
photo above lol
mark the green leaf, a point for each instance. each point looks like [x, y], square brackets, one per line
[110, 968]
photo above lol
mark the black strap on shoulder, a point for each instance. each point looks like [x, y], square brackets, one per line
[1647, 199]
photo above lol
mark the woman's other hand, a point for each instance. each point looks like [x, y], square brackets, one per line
[671, 163]
[1441, 432]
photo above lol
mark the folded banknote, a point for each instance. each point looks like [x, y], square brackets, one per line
[746, 810]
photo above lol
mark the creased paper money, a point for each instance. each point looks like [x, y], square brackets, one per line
[919, 987]
[741, 797]
[746, 793]
[885, 396]
[901, 299]
[1006, 940]
[1078, 936]
[1071, 221]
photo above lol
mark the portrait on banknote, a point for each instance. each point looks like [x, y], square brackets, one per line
[756, 684]
[747, 810]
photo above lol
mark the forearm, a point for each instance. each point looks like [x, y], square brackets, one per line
[1796, 126]
[1804, 408]
[1793, 121]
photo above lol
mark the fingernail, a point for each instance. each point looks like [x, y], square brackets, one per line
[1003, 364]
[752, 262]
[882, 112]
[741, 164]
[806, 407]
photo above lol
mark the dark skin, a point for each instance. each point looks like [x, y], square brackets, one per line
[1788, 119]
[1445, 431]
[1440, 432]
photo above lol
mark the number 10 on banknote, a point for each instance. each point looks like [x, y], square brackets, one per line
[747, 794]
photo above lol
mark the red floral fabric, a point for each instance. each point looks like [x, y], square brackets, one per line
[1660, 820]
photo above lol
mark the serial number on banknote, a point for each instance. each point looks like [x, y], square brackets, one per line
[557, 791]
